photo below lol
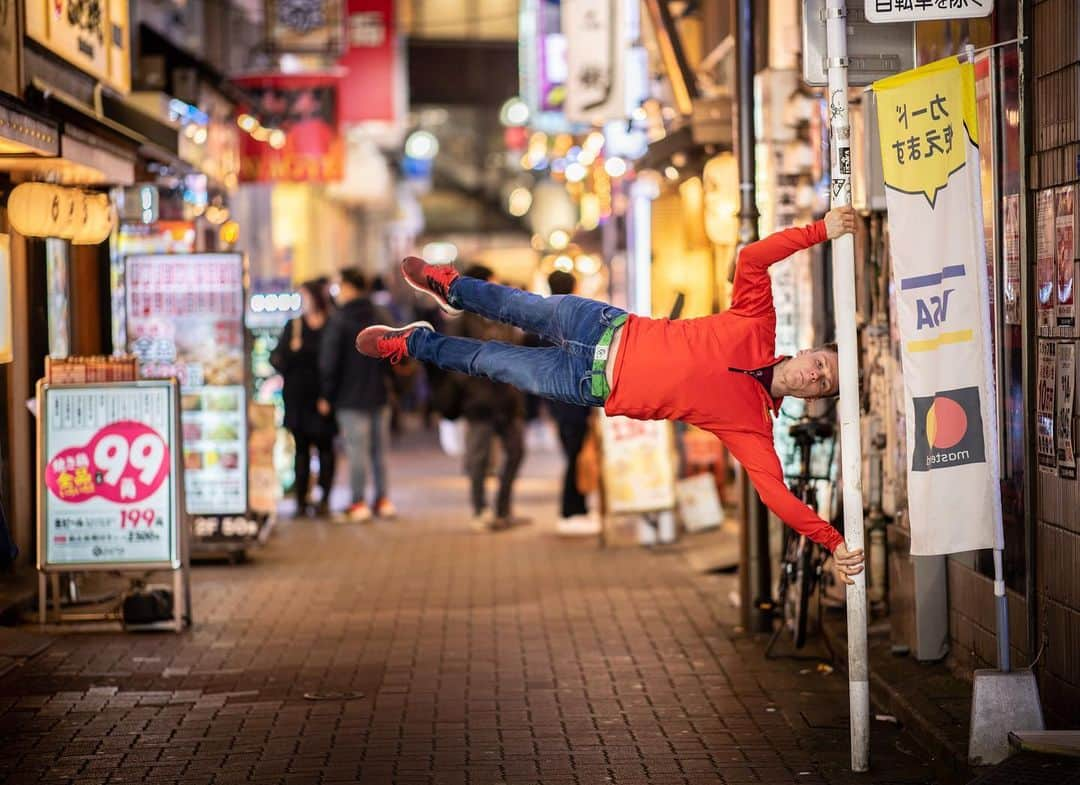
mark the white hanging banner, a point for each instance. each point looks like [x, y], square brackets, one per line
[597, 34]
[931, 165]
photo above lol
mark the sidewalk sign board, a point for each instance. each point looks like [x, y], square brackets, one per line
[110, 481]
[874, 50]
[185, 318]
[888, 11]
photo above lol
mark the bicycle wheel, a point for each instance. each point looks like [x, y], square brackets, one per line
[801, 587]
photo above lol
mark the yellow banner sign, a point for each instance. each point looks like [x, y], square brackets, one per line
[926, 115]
[93, 36]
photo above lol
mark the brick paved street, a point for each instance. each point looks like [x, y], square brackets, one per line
[515, 658]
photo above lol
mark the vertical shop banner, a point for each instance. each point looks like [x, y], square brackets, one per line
[1066, 388]
[929, 134]
[1011, 243]
[108, 475]
[185, 318]
[1044, 259]
[596, 45]
[373, 86]
[305, 108]
[1064, 249]
[5, 299]
[1045, 393]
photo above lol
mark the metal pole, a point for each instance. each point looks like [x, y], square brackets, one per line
[843, 255]
[757, 515]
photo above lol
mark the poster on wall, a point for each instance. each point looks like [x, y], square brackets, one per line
[185, 318]
[1064, 249]
[5, 298]
[1044, 258]
[1011, 242]
[1066, 386]
[1046, 379]
[108, 469]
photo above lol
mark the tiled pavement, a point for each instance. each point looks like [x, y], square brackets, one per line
[514, 658]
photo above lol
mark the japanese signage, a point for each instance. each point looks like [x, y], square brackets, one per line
[1065, 250]
[5, 298]
[90, 34]
[373, 87]
[638, 465]
[930, 157]
[305, 108]
[185, 318]
[304, 25]
[1066, 388]
[1011, 242]
[542, 62]
[1044, 406]
[1044, 258]
[926, 10]
[598, 34]
[108, 475]
[10, 47]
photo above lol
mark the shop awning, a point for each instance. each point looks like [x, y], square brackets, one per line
[25, 134]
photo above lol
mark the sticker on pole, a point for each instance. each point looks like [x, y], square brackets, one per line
[926, 124]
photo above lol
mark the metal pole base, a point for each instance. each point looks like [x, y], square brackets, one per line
[1000, 703]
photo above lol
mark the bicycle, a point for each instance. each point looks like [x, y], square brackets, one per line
[802, 564]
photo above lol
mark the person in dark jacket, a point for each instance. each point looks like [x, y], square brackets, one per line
[356, 389]
[573, 424]
[296, 358]
[492, 410]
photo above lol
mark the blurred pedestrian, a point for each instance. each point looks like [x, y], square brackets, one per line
[296, 358]
[573, 424]
[356, 389]
[493, 412]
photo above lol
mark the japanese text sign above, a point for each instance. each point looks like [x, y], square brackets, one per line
[93, 36]
[926, 10]
[109, 485]
[929, 134]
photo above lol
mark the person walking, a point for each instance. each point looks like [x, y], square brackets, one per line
[493, 411]
[572, 421]
[718, 372]
[296, 358]
[356, 389]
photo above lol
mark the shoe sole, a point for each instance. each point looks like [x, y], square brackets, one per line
[445, 306]
[417, 325]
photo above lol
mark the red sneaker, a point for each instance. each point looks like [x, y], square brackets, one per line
[431, 279]
[388, 343]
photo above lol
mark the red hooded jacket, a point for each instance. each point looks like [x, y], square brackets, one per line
[693, 370]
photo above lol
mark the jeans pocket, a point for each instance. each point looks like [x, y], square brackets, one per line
[585, 391]
[610, 314]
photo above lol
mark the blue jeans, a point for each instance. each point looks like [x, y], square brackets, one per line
[563, 372]
[366, 434]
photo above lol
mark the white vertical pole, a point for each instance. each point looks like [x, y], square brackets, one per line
[843, 255]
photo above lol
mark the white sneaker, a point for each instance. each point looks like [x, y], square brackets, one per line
[481, 522]
[578, 526]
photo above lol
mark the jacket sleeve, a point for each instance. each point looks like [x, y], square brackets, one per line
[330, 359]
[752, 291]
[758, 456]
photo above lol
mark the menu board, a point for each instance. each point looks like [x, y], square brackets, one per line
[185, 318]
[638, 464]
[108, 465]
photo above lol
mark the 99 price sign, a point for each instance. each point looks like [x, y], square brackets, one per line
[109, 479]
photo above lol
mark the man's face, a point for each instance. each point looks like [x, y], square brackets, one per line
[812, 373]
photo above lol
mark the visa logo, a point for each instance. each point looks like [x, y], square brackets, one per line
[932, 311]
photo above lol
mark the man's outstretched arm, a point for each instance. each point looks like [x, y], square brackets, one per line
[752, 291]
[756, 454]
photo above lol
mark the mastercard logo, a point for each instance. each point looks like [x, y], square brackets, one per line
[948, 430]
[946, 423]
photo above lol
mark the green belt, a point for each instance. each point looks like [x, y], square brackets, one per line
[600, 387]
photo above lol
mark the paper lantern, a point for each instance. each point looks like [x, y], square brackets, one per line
[100, 217]
[33, 209]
